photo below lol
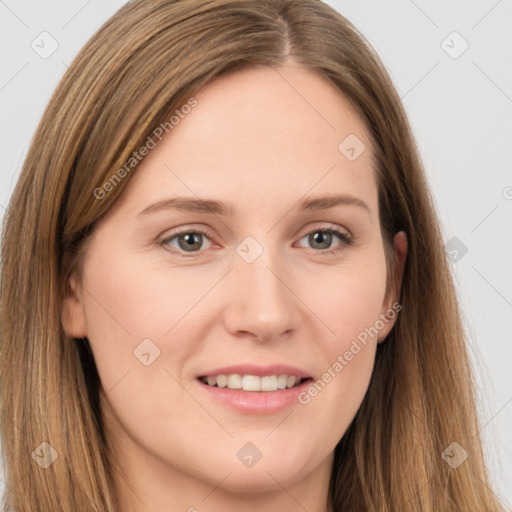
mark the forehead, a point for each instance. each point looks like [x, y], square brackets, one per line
[278, 107]
[278, 131]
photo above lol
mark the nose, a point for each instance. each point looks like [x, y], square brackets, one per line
[261, 302]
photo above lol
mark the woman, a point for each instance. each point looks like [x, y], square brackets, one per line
[185, 350]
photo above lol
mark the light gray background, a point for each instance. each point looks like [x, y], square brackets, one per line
[461, 113]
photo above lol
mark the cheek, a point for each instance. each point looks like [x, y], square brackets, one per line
[129, 299]
[130, 311]
[350, 300]
[136, 326]
[350, 306]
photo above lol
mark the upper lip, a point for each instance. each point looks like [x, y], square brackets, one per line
[261, 371]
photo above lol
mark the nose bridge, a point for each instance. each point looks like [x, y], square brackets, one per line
[259, 266]
[262, 303]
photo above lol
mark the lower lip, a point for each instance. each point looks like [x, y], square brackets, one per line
[256, 402]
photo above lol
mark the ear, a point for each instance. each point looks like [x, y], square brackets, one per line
[72, 313]
[389, 313]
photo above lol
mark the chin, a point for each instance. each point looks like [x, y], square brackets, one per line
[271, 472]
[264, 479]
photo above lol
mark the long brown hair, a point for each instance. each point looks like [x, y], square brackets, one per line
[145, 62]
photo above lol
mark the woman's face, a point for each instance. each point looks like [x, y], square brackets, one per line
[267, 292]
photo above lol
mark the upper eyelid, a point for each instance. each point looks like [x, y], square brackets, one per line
[208, 231]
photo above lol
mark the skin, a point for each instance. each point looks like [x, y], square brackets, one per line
[255, 141]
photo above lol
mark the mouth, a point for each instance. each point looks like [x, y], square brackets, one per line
[254, 383]
[253, 389]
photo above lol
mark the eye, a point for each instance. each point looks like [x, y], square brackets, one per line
[191, 240]
[323, 237]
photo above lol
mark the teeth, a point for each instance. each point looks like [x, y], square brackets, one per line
[234, 381]
[269, 383]
[253, 382]
[222, 381]
[281, 381]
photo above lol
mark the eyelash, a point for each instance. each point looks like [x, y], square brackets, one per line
[345, 238]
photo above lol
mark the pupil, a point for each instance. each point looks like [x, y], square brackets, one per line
[321, 235]
[191, 240]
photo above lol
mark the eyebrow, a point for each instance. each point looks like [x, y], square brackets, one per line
[228, 209]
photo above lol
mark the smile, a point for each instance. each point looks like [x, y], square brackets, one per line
[253, 382]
